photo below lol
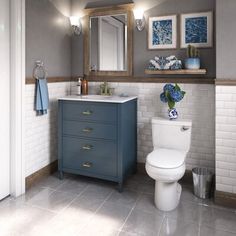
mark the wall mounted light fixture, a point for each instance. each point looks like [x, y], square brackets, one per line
[139, 19]
[76, 24]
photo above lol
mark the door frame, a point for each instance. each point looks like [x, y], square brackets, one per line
[17, 92]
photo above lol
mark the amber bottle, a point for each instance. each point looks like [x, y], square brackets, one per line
[84, 86]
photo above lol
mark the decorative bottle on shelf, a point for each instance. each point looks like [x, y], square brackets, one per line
[78, 92]
[84, 87]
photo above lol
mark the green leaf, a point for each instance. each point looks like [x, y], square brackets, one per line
[183, 92]
[166, 93]
[177, 88]
[171, 104]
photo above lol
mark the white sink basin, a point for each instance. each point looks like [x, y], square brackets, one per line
[92, 96]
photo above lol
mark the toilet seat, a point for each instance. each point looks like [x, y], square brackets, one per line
[166, 158]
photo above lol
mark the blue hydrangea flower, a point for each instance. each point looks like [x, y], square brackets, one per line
[163, 97]
[176, 95]
[168, 87]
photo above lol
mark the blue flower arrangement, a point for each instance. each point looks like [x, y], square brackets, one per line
[172, 94]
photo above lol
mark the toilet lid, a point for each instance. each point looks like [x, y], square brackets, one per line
[166, 158]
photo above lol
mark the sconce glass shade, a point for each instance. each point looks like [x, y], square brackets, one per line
[138, 14]
[76, 24]
[139, 19]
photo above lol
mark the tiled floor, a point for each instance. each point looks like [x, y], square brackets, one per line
[83, 206]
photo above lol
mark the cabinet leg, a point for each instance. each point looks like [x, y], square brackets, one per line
[61, 175]
[120, 187]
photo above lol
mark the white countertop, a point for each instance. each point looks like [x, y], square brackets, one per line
[98, 98]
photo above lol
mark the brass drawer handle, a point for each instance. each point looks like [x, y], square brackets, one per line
[87, 147]
[87, 130]
[87, 113]
[87, 164]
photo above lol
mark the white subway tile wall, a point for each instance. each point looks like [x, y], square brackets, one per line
[41, 131]
[226, 139]
[198, 106]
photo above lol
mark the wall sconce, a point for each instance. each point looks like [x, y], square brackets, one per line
[76, 24]
[139, 19]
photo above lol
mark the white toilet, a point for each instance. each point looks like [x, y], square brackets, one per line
[166, 163]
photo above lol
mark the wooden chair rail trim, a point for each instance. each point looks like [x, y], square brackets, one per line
[225, 82]
[131, 79]
[50, 80]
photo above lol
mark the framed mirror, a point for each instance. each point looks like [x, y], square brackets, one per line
[108, 45]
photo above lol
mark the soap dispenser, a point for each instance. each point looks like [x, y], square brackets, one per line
[79, 87]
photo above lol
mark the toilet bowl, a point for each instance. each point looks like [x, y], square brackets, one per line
[166, 163]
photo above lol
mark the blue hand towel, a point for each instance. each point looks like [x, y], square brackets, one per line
[42, 98]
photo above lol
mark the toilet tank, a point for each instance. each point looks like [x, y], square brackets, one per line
[171, 134]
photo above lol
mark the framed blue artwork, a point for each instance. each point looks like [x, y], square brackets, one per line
[162, 32]
[196, 29]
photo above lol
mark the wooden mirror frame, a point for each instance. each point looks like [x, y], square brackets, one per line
[103, 11]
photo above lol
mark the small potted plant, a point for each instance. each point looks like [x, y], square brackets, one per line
[193, 60]
[172, 94]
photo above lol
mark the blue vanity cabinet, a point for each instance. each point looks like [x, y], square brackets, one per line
[98, 139]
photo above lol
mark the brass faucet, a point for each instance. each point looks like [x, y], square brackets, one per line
[105, 89]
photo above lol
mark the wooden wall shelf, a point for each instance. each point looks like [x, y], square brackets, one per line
[176, 72]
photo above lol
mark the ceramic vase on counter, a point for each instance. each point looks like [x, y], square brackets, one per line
[172, 113]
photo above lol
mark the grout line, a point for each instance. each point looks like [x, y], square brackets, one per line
[162, 222]
[77, 196]
[131, 210]
[94, 213]
[61, 211]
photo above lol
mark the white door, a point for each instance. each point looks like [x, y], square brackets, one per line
[4, 98]
[111, 44]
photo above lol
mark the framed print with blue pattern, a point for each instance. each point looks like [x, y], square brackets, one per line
[196, 29]
[162, 32]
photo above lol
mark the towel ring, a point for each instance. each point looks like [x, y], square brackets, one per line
[39, 70]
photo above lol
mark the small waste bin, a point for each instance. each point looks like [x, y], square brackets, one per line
[202, 182]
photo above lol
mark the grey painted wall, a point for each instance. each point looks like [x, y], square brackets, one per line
[48, 36]
[225, 38]
[141, 53]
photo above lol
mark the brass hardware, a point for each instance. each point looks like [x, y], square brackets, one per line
[87, 113]
[87, 147]
[87, 130]
[87, 164]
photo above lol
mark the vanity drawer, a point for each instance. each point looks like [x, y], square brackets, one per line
[90, 111]
[91, 130]
[89, 155]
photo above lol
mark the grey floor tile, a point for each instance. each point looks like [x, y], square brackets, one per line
[207, 231]
[107, 220]
[123, 233]
[101, 231]
[4, 201]
[55, 201]
[144, 223]
[52, 182]
[73, 186]
[141, 178]
[127, 198]
[186, 211]
[20, 219]
[68, 222]
[88, 201]
[34, 194]
[178, 228]
[145, 187]
[146, 203]
[219, 219]
[101, 191]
